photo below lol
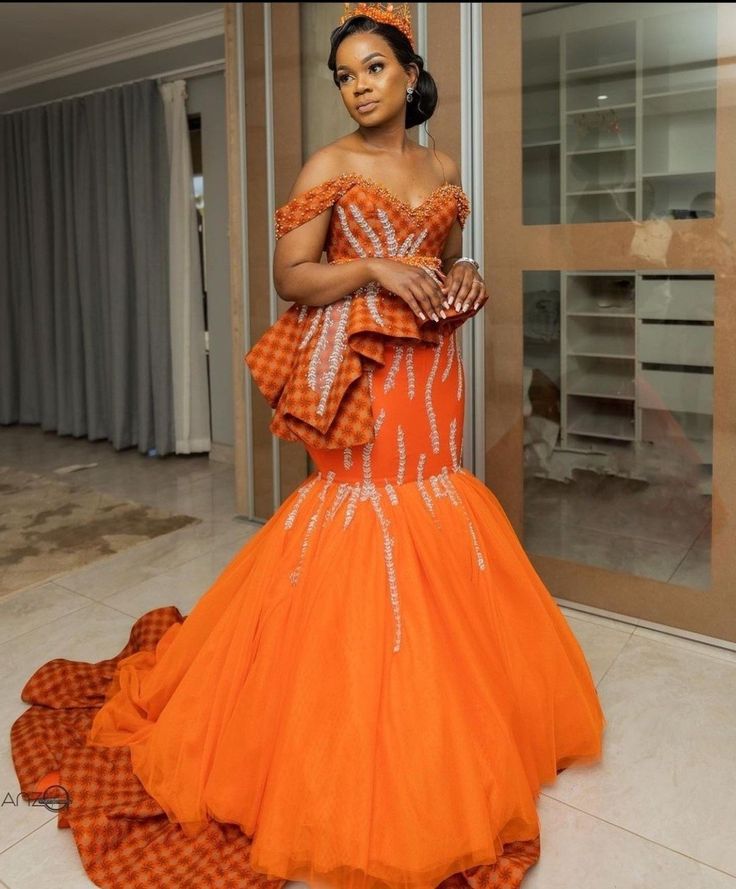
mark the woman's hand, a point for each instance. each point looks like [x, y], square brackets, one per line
[465, 288]
[423, 291]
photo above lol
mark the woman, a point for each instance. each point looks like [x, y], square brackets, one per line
[374, 689]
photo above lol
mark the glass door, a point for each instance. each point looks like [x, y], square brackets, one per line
[608, 152]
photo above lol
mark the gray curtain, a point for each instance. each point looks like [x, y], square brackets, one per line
[84, 305]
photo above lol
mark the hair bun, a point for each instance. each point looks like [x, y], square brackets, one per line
[425, 98]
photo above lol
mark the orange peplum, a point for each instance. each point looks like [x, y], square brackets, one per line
[373, 691]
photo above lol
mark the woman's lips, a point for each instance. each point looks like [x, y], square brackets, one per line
[367, 106]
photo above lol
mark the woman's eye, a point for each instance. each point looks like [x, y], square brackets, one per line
[378, 65]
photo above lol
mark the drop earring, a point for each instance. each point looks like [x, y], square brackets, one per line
[410, 94]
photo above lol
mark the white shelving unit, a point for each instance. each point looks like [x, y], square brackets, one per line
[674, 318]
[598, 356]
[635, 362]
[619, 112]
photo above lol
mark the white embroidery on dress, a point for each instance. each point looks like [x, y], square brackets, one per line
[310, 527]
[352, 503]
[379, 421]
[410, 369]
[420, 483]
[404, 249]
[312, 327]
[319, 348]
[456, 500]
[460, 375]
[435, 485]
[390, 378]
[301, 495]
[434, 433]
[345, 226]
[388, 555]
[342, 491]
[366, 489]
[392, 495]
[402, 455]
[368, 231]
[453, 443]
[347, 458]
[371, 293]
[419, 238]
[450, 355]
[336, 355]
[303, 313]
[389, 231]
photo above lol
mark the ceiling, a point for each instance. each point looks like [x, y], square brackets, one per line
[35, 32]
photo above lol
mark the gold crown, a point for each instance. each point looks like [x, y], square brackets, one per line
[396, 14]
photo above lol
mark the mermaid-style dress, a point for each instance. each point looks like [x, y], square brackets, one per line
[373, 690]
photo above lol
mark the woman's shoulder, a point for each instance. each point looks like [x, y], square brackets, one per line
[322, 167]
[450, 169]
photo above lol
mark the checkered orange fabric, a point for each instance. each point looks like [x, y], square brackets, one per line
[366, 220]
[125, 840]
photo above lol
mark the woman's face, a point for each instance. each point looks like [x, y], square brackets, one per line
[369, 74]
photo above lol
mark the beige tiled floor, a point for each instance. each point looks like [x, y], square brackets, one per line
[658, 813]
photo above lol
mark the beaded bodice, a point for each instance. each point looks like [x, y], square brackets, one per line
[310, 365]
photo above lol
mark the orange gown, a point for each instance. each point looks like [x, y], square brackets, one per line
[374, 689]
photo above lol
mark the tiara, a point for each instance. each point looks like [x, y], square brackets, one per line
[397, 15]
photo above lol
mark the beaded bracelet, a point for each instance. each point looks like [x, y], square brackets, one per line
[467, 259]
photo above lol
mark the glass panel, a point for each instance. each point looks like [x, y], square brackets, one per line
[618, 418]
[619, 112]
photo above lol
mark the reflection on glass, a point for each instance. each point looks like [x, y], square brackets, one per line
[618, 418]
[619, 112]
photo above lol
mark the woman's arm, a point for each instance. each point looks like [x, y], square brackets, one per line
[454, 243]
[300, 277]
[298, 274]
[465, 287]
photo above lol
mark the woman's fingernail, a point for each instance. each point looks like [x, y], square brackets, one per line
[422, 316]
[435, 317]
[443, 313]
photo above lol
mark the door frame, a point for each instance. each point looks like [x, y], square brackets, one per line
[512, 247]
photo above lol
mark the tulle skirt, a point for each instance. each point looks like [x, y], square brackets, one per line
[284, 708]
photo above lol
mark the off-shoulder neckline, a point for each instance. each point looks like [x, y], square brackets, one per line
[354, 175]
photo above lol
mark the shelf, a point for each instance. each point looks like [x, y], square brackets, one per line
[580, 151]
[601, 378]
[605, 67]
[676, 195]
[548, 144]
[601, 108]
[592, 392]
[617, 355]
[671, 174]
[681, 101]
[575, 194]
[607, 314]
[601, 207]
[601, 425]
